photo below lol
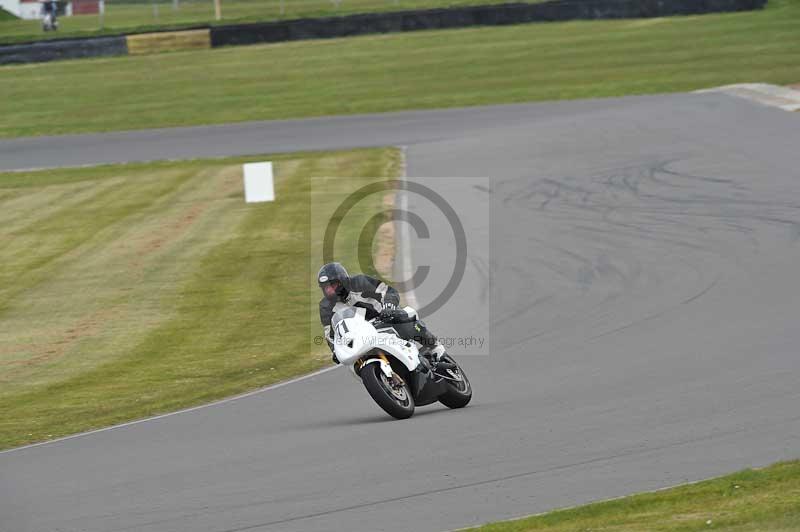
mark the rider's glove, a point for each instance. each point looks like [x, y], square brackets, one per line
[388, 310]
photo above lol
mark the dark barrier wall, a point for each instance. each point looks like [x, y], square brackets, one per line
[321, 28]
[63, 49]
[557, 10]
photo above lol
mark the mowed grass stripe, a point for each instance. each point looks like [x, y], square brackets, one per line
[435, 69]
[194, 297]
[98, 213]
[118, 250]
[156, 239]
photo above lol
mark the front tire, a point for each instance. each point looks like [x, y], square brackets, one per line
[459, 390]
[394, 398]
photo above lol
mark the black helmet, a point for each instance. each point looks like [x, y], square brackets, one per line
[333, 281]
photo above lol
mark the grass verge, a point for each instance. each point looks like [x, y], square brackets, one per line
[751, 500]
[435, 69]
[136, 17]
[128, 291]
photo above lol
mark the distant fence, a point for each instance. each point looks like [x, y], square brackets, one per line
[363, 24]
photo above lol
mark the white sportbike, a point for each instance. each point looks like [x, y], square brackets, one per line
[394, 373]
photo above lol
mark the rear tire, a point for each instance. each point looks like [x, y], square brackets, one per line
[397, 404]
[458, 394]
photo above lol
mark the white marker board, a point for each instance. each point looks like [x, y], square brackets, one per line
[258, 185]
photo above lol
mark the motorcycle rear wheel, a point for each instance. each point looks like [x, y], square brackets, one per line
[395, 400]
[459, 390]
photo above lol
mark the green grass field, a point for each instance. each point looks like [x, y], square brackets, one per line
[763, 500]
[403, 71]
[130, 290]
[5, 16]
[129, 17]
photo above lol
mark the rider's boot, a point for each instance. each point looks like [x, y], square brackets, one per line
[434, 350]
[436, 353]
[435, 356]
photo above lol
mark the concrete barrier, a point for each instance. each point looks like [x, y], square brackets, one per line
[151, 43]
[63, 49]
[491, 15]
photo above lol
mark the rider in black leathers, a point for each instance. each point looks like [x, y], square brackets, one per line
[379, 300]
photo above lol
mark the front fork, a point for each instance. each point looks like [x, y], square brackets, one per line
[386, 368]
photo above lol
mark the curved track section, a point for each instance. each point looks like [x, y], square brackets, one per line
[642, 276]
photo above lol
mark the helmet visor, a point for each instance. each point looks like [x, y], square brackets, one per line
[330, 288]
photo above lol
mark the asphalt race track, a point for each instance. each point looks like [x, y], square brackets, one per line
[639, 284]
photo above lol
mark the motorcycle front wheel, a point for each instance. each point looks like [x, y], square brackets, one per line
[391, 394]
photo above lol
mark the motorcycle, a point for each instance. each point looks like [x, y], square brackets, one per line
[393, 371]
